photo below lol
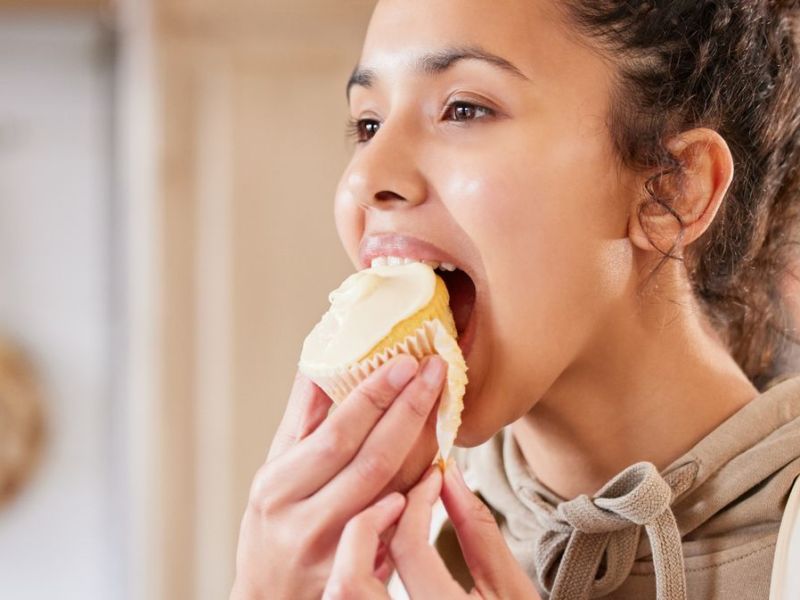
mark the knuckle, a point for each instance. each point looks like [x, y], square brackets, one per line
[261, 500]
[419, 404]
[371, 393]
[333, 443]
[340, 588]
[401, 544]
[374, 466]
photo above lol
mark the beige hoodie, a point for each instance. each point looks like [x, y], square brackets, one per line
[705, 528]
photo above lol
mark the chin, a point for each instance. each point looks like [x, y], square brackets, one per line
[477, 426]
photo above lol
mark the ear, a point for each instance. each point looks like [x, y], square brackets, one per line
[707, 174]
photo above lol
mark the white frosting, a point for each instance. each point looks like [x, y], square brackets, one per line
[366, 306]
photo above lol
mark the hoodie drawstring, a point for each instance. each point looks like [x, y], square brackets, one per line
[590, 544]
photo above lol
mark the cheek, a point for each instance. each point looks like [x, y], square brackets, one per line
[539, 269]
[480, 196]
[542, 224]
[550, 208]
[349, 220]
[549, 186]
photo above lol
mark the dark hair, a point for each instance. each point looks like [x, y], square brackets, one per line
[732, 66]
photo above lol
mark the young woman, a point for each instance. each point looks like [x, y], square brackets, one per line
[618, 183]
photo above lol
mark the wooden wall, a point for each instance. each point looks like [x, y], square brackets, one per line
[252, 112]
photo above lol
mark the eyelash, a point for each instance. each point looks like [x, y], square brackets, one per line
[355, 126]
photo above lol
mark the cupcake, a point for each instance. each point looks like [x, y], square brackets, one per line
[381, 312]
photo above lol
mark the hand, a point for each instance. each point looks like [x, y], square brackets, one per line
[322, 471]
[494, 569]
[355, 575]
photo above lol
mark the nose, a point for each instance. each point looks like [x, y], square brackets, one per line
[385, 172]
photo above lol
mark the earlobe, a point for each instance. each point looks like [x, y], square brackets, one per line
[694, 196]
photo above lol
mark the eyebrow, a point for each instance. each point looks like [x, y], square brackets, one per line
[438, 62]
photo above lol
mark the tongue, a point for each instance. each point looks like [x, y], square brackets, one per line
[462, 296]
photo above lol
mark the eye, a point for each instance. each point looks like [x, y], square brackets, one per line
[362, 130]
[466, 111]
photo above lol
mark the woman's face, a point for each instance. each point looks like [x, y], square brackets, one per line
[508, 169]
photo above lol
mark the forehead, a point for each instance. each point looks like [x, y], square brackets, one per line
[402, 31]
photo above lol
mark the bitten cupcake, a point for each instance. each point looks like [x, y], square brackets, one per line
[377, 314]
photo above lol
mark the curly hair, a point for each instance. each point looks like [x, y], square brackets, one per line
[732, 66]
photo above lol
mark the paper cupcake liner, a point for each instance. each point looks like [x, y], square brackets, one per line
[430, 338]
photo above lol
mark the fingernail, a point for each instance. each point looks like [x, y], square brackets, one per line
[433, 370]
[401, 371]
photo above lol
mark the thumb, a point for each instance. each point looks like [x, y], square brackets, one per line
[485, 550]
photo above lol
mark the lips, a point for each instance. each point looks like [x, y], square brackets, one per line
[405, 246]
[460, 284]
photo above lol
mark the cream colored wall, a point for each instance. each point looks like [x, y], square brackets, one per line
[252, 111]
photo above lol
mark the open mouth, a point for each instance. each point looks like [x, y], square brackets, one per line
[462, 293]
[462, 297]
[460, 288]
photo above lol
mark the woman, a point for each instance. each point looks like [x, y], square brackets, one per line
[619, 180]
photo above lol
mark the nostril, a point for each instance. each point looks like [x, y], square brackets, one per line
[387, 195]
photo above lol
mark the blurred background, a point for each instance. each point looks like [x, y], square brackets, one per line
[167, 172]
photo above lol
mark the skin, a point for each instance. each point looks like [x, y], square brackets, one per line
[593, 370]
[322, 471]
[424, 574]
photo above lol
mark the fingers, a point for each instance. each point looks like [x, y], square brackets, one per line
[385, 568]
[332, 445]
[388, 444]
[490, 561]
[416, 520]
[420, 567]
[307, 407]
[352, 575]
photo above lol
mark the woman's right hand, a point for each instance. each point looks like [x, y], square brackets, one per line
[320, 472]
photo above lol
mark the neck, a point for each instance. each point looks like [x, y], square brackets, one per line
[636, 393]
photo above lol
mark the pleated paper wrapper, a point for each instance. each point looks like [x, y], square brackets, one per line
[430, 338]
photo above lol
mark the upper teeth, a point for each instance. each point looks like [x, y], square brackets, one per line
[383, 261]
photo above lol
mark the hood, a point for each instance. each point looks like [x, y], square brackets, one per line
[730, 486]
